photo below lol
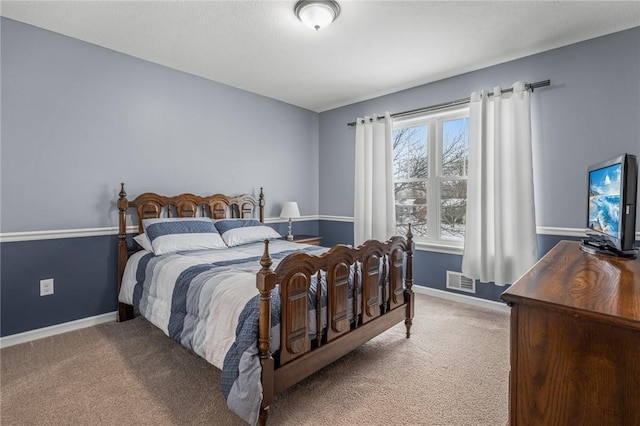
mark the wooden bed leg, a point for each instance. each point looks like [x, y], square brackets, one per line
[125, 312]
[408, 283]
[264, 414]
[266, 281]
[267, 389]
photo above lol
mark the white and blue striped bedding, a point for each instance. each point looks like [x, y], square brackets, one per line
[207, 300]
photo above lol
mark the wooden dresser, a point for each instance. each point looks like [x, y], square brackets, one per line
[575, 340]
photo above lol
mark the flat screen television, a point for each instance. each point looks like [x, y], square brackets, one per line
[611, 217]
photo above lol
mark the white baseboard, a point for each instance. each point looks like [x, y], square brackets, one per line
[28, 336]
[455, 297]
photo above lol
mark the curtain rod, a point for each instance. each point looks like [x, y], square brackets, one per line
[528, 86]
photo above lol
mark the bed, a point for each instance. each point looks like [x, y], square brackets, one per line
[266, 311]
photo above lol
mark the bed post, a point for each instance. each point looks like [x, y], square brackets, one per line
[408, 283]
[261, 205]
[266, 281]
[125, 311]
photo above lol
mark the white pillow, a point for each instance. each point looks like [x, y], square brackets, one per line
[169, 235]
[236, 232]
[143, 241]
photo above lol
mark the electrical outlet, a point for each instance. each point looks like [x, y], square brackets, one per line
[46, 287]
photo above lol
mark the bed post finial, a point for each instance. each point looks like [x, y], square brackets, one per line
[123, 205]
[266, 261]
[408, 283]
[266, 281]
[261, 205]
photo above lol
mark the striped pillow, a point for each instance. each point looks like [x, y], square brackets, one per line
[144, 242]
[236, 232]
[170, 235]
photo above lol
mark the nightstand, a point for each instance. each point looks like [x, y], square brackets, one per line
[307, 239]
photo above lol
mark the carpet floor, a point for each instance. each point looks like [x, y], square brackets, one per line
[453, 370]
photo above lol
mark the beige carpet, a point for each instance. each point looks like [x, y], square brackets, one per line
[452, 371]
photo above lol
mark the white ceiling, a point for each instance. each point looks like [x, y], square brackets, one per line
[373, 48]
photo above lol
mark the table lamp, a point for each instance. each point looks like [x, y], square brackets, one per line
[289, 211]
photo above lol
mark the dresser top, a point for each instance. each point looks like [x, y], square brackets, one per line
[603, 287]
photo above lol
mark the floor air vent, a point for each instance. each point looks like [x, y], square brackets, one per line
[457, 281]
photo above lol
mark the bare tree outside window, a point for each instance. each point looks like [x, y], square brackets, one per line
[453, 209]
[419, 178]
[411, 170]
[410, 154]
[453, 192]
[455, 147]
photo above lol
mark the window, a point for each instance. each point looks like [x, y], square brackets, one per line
[430, 161]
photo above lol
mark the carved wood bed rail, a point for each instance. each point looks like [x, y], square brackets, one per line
[368, 289]
[381, 296]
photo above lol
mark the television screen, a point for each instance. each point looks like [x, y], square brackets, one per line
[604, 200]
[612, 201]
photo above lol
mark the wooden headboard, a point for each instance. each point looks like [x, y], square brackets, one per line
[151, 205]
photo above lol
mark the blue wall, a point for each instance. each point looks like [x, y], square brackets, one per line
[84, 272]
[77, 119]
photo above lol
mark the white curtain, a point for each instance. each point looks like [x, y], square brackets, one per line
[374, 209]
[500, 235]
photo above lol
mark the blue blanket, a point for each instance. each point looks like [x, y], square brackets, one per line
[191, 299]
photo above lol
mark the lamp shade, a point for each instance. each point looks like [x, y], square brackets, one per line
[317, 14]
[289, 210]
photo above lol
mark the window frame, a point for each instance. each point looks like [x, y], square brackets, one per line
[433, 120]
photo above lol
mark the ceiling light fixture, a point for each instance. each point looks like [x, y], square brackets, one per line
[317, 14]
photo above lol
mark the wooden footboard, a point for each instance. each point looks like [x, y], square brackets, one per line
[381, 296]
